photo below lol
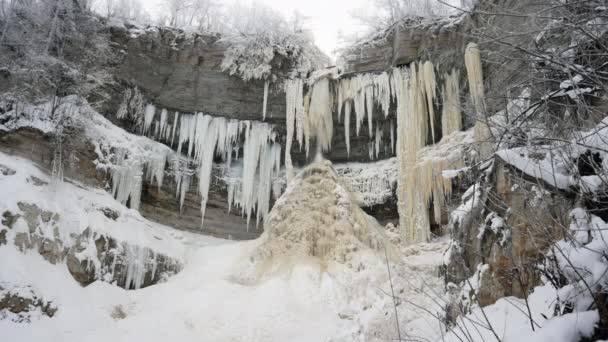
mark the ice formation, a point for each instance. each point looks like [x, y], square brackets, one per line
[261, 157]
[316, 217]
[372, 182]
[265, 102]
[414, 91]
[312, 113]
[294, 95]
[127, 179]
[360, 93]
[430, 91]
[208, 136]
[412, 124]
[148, 118]
[451, 120]
[472, 58]
[319, 116]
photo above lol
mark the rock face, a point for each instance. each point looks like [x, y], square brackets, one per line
[89, 256]
[161, 205]
[508, 227]
[21, 303]
[40, 148]
[184, 73]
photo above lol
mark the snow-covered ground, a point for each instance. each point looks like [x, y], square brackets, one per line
[310, 302]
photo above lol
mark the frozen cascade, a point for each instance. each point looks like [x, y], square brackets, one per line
[293, 118]
[413, 96]
[319, 116]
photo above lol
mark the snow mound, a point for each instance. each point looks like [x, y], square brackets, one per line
[316, 219]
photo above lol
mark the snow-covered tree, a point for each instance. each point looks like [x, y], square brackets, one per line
[199, 15]
[122, 9]
[260, 39]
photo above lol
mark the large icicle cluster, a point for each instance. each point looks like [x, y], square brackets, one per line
[312, 115]
[201, 138]
[359, 94]
[128, 168]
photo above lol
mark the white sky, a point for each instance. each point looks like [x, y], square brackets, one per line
[326, 18]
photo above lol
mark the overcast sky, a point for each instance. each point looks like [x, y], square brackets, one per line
[326, 17]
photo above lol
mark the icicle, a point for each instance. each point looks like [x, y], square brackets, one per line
[156, 130]
[148, 118]
[156, 165]
[430, 91]
[383, 92]
[369, 101]
[174, 127]
[392, 137]
[451, 120]
[293, 93]
[265, 103]
[183, 189]
[347, 109]
[136, 266]
[257, 136]
[127, 179]
[163, 123]
[378, 140]
[206, 139]
[472, 59]
[268, 163]
[191, 132]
